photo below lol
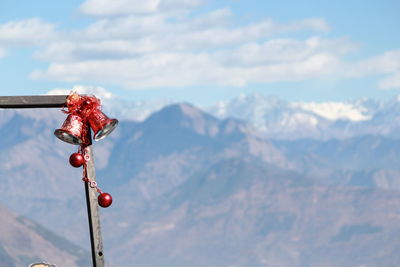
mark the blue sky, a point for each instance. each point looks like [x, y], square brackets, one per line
[202, 51]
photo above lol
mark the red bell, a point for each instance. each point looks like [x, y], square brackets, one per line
[71, 130]
[101, 124]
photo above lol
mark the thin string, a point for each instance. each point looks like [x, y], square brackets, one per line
[92, 184]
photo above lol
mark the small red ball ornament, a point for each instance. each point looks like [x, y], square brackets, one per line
[76, 160]
[104, 200]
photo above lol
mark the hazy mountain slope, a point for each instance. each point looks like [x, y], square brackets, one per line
[238, 213]
[370, 161]
[354, 153]
[37, 180]
[178, 141]
[23, 242]
[138, 162]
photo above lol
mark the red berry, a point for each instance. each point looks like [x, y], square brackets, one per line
[76, 160]
[104, 200]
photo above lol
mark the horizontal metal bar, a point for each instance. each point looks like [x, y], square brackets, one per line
[33, 101]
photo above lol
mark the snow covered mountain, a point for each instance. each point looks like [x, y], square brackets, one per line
[279, 119]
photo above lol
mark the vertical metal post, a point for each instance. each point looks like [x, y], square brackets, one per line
[96, 240]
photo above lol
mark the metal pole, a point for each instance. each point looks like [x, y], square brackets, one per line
[33, 101]
[93, 213]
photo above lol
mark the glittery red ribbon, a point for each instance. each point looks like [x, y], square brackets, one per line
[82, 106]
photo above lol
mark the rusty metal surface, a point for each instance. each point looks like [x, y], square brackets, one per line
[33, 101]
[93, 214]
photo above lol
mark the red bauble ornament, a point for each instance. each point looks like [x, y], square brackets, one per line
[104, 200]
[76, 160]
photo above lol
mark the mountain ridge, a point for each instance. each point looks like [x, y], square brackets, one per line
[277, 118]
[24, 242]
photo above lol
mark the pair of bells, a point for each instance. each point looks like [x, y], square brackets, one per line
[73, 127]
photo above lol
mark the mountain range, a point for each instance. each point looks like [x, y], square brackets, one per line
[280, 119]
[194, 189]
[276, 118]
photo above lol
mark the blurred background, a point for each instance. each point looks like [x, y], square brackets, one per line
[252, 133]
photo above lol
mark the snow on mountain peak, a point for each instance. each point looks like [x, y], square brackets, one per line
[335, 110]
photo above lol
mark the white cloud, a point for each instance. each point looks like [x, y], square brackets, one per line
[286, 50]
[179, 70]
[317, 24]
[161, 43]
[98, 91]
[130, 37]
[145, 44]
[151, 50]
[391, 82]
[106, 8]
[219, 17]
[118, 7]
[387, 63]
[25, 32]
[67, 51]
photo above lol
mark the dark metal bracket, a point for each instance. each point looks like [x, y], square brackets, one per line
[33, 101]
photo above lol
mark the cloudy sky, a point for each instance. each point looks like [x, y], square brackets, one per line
[202, 51]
